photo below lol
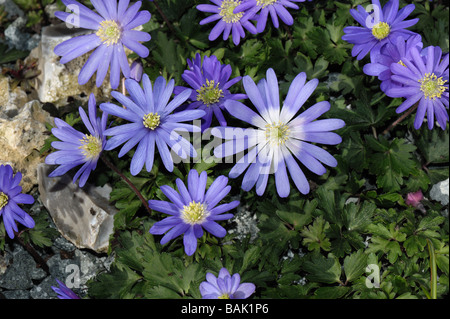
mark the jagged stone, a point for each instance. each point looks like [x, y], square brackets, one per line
[440, 192]
[82, 215]
[21, 138]
[58, 81]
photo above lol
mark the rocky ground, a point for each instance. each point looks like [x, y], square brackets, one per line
[22, 278]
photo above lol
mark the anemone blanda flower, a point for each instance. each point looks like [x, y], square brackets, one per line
[425, 81]
[392, 53]
[10, 196]
[279, 137]
[230, 22]
[225, 286]
[210, 81]
[63, 292]
[276, 8]
[149, 112]
[76, 148]
[113, 26]
[192, 210]
[382, 26]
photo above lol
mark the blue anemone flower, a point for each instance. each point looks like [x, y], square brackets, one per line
[425, 81]
[229, 22]
[280, 136]
[10, 196]
[210, 81]
[392, 53]
[380, 27]
[276, 8]
[76, 148]
[113, 26]
[193, 209]
[152, 122]
[225, 286]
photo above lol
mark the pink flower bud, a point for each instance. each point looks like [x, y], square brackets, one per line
[414, 199]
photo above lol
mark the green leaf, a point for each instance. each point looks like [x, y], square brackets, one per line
[116, 284]
[314, 235]
[355, 265]
[391, 161]
[12, 55]
[331, 292]
[358, 217]
[250, 258]
[324, 270]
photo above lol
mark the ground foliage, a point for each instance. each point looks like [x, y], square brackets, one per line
[318, 245]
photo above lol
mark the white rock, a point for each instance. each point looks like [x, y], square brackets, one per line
[440, 192]
[82, 215]
[21, 138]
[58, 81]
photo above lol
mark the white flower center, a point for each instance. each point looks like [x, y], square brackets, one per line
[277, 134]
[226, 11]
[91, 147]
[194, 213]
[109, 32]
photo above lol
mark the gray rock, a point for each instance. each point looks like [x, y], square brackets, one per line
[16, 38]
[82, 215]
[16, 294]
[44, 289]
[21, 271]
[11, 9]
[440, 192]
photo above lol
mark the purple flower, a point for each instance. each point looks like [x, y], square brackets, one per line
[76, 148]
[280, 137]
[230, 22]
[276, 8]
[378, 28]
[210, 83]
[113, 26]
[10, 196]
[392, 53]
[425, 81]
[151, 123]
[64, 292]
[225, 286]
[192, 210]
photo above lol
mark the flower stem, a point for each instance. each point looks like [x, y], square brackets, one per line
[126, 180]
[37, 258]
[401, 118]
[164, 16]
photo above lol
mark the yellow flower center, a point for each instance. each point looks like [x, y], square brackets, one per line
[152, 120]
[224, 296]
[91, 147]
[226, 11]
[381, 30]
[432, 86]
[277, 134]
[265, 3]
[401, 63]
[209, 93]
[109, 32]
[3, 200]
[194, 213]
